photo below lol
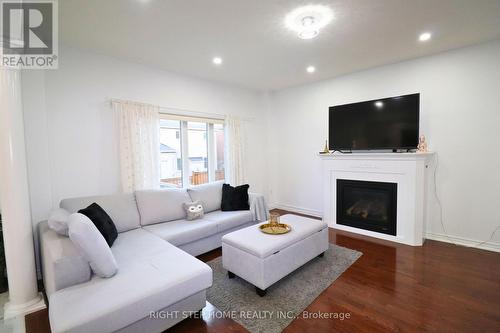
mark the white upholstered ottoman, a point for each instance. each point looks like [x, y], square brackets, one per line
[263, 259]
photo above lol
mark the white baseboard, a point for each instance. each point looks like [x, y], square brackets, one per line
[295, 209]
[490, 246]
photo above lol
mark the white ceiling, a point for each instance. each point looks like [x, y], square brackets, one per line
[258, 51]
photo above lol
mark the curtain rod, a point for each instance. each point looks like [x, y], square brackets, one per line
[182, 112]
[174, 110]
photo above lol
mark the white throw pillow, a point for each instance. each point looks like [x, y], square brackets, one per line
[58, 221]
[194, 210]
[92, 245]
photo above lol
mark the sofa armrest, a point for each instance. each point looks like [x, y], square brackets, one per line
[62, 265]
[258, 207]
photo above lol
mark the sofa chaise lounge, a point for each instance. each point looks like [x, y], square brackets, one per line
[155, 248]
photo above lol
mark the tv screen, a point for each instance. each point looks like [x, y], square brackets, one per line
[388, 123]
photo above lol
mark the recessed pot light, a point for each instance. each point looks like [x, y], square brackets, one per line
[424, 36]
[311, 69]
[217, 60]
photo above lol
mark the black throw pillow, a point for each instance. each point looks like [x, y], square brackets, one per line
[234, 198]
[102, 221]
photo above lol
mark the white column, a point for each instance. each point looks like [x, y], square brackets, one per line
[14, 201]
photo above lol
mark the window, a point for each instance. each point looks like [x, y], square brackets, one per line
[197, 152]
[170, 153]
[191, 150]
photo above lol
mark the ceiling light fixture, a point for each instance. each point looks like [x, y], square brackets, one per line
[424, 36]
[311, 69]
[308, 34]
[307, 21]
[217, 60]
[379, 104]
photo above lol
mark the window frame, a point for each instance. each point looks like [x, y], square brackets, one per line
[184, 144]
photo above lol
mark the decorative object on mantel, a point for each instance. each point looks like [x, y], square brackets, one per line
[274, 227]
[325, 150]
[422, 144]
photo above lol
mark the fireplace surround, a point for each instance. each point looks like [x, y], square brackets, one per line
[409, 174]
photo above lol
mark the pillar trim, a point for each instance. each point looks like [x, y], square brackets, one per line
[15, 310]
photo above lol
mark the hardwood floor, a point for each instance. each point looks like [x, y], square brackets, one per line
[438, 287]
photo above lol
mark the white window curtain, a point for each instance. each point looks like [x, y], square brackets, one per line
[235, 151]
[138, 144]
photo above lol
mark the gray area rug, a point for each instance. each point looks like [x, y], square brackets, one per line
[286, 299]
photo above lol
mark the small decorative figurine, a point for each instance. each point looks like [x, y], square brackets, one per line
[422, 144]
[326, 150]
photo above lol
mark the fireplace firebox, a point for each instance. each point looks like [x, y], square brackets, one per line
[367, 205]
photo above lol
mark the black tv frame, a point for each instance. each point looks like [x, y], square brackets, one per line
[339, 149]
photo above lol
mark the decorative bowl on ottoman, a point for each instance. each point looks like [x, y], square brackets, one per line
[264, 259]
[274, 227]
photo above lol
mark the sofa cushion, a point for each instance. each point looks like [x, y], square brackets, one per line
[194, 210]
[63, 265]
[229, 220]
[153, 275]
[102, 221]
[235, 198]
[122, 208]
[209, 194]
[183, 231]
[58, 221]
[90, 242]
[157, 206]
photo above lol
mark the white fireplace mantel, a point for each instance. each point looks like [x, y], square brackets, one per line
[408, 170]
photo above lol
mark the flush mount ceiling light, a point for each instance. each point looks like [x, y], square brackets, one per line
[424, 36]
[311, 69]
[307, 21]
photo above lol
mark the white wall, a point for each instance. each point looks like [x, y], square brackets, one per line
[71, 140]
[70, 133]
[460, 116]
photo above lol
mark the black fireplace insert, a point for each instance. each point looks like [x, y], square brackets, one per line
[367, 205]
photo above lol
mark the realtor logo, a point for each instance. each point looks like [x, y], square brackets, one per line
[29, 34]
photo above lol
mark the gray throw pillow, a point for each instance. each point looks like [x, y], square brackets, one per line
[58, 221]
[194, 210]
[92, 245]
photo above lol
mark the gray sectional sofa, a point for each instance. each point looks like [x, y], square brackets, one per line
[155, 250]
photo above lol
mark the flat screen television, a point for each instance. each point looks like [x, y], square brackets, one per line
[387, 123]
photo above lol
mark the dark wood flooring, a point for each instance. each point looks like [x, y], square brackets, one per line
[438, 287]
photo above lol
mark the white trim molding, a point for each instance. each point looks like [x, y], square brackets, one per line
[461, 241]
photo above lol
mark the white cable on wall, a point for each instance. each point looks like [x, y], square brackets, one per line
[441, 218]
